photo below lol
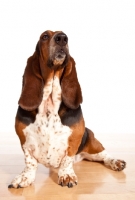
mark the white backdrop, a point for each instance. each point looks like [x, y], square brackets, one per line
[101, 40]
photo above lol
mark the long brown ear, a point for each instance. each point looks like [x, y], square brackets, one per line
[71, 91]
[32, 89]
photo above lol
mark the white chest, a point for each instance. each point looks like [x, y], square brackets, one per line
[47, 138]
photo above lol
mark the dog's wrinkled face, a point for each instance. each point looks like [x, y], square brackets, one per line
[53, 48]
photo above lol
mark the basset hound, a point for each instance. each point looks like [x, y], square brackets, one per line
[49, 119]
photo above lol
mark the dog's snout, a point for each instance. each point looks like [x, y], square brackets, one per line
[61, 39]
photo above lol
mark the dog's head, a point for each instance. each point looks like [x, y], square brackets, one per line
[53, 48]
[51, 54]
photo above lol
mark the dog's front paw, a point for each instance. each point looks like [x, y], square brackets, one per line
[67, 180]
[66, 174]
[23, 180]
[116, 164]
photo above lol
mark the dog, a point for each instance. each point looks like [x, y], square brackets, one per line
[49, 120]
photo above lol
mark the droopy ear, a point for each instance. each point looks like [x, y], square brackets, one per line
[71, 91]
[32, 89]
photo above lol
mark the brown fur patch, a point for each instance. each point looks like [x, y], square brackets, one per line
[32, 89]
[92, 145]
[74, 140]
[71, 90]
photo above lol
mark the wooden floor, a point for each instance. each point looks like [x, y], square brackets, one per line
[96, 182]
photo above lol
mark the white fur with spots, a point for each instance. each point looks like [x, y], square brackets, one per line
[28, 174]
[47, 142]
[66, 172]
[114, 164]
[46, 138]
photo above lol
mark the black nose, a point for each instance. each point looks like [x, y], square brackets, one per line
[61, 39]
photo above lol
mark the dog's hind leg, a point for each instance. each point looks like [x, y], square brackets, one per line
[94, 151]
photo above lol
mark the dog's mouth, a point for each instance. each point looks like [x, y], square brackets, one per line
[59, 57]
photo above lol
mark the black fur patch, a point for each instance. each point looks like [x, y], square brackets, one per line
[83, 142]
[71, 116]
[25, 116]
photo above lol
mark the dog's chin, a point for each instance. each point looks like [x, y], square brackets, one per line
[59, 60]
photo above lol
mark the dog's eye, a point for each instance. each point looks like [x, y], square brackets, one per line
[45, 37]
